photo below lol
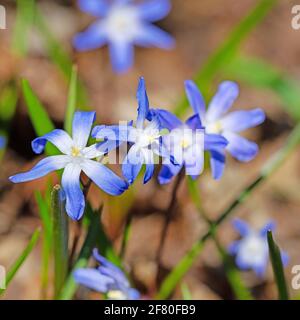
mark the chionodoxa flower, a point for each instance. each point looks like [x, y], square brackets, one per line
[122, 24]
[106, 278]
[252, 251]
[76, 157]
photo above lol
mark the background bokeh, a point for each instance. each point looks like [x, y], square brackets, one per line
[199, 28]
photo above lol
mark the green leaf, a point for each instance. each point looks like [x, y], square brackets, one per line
[60, 240]
[72, 99]
[226, 52]
[278, 271]
[21, 259]
[186, 294]
[89, 244]
[41, 122]
[263, 75]
[24, 21]
[59, 57]
[187, 261]
[47, 240]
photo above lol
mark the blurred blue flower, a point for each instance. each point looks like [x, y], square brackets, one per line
[106, 278]
[252, 250]
[2, 142]
[76, 157]
[145, 141]
[216, 121]
[186, 143]
[122, 24]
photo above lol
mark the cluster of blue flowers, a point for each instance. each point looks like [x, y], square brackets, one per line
[156, 133]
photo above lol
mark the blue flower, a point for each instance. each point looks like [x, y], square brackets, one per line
[122, 24]
[76, 157]
[252, 250]
[216, 121]
[107, 278]
[186, 144]
[145, 141]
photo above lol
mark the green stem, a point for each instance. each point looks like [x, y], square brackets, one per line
[60, 240]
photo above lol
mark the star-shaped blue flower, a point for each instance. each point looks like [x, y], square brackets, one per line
[252, 250]
[2, 142]
[144, 139]
[186, 143]
[122, 24]
[216, 121]
[106, 278]
[76, 157]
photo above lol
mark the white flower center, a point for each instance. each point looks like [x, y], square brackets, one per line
[214, 127]
[116, 295]
[253, 249]
[122, 23]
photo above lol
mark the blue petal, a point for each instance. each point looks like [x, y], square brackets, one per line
[57, 137]
[143, 103]
[75, 202]
[133, 294]
[241, 120]
[233, 248]
[82, 125]
[227, 93]
[241, 227]
[240, 148]
[152, 36]
[104, 178]
[260, 269]
[132, 164]
[2, 142]
[98, 8]
[285, 258]
[122, 55]
[149, 172]
[93, 279]
[214, 142]
[93, 37]
[217, 163]
[269, 226]
[167, 172]
[154, 10]
[194, 122]
[41, 169]
[195, 98]
[166, 119]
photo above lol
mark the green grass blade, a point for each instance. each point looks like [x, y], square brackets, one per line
[59, 57]
[22, 258]
[40, 120]
[277, 266]
[186, 293]
[72, 99]
[24, 21]
[89, 244]
[45, 215]
[60, 240]
[263, 75]
[187, 261]
[226, 52]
